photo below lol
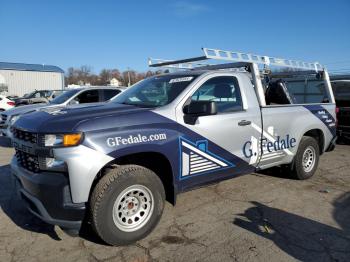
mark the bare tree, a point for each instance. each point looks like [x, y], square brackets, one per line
[84, 75]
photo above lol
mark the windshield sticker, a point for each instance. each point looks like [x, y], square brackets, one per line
[181, 79]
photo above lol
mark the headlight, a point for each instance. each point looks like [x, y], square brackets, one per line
[63, 139]
[13, 119]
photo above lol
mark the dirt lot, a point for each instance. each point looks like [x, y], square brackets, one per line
[258, 217]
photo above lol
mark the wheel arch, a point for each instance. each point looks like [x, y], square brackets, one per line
[319, 136]
[155, 161]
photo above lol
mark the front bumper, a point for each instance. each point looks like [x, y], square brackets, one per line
[48, 197]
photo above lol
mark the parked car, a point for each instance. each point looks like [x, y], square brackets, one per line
[68, 97]
[13, 98]
[114, 164]
[341, 89]
[5, 103]
[37, 97]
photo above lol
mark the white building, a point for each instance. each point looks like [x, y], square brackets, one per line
[114, 82]
[19, 79]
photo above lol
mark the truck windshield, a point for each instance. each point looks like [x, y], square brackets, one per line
[155, 91]
[29, 95]
[64, 97]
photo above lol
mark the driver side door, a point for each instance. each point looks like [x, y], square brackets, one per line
[230, 135]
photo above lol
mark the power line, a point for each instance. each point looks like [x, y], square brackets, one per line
[338, 62]
[339, 73]
[340, 70]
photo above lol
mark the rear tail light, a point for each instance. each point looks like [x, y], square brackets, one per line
[11, 103]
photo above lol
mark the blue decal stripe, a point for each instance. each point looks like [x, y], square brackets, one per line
[196, 159]
[327, 119]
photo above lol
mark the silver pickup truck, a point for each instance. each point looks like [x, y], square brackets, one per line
[77, 96]
[113, 165]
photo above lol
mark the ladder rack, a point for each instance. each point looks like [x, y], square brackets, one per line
[241, 58]
[179, 64]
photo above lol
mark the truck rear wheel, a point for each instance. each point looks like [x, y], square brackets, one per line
[127, 204]
[306, 160]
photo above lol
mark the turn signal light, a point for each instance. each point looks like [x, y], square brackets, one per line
[71, 139]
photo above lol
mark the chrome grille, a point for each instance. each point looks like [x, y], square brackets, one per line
[28, 161]
[3, 119]
[344, 113]
[25, 135]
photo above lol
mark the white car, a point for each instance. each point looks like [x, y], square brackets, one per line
[5, 103]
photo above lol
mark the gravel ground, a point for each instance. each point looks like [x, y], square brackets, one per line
[257, 217]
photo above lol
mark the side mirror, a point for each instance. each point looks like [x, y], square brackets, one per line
[198, 108]
[74, 102]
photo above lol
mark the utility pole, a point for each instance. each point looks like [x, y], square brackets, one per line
[129, 76]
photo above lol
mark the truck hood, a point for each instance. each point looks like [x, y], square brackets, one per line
[75, 118]
[38, 107]
[23, 109]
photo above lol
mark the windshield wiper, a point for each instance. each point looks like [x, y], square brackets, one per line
[139, 105]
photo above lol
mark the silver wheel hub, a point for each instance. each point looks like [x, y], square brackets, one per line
[133, 208]
[309, 158]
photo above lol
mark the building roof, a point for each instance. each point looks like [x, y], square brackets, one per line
[30, 67]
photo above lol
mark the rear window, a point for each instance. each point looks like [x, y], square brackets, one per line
[306, 90]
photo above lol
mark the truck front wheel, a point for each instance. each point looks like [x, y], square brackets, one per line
[126, 204]
[306, 160]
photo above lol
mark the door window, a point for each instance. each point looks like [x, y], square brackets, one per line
[109, 93]
[224, 90]
[89, 96]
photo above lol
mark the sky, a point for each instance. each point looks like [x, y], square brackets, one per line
[122, 34]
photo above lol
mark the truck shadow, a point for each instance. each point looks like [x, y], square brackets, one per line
[15, 209]
[302, 238]
[279, 172]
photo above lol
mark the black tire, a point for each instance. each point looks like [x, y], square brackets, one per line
[110, 188]
[298, 170]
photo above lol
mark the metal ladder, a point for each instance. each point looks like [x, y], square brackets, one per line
[242, 58]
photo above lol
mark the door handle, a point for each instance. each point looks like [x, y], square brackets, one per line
[244, 123]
